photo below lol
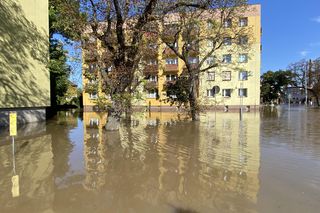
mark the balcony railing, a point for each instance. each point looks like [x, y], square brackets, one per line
[171, 68]
[150, 69]
[151, 85]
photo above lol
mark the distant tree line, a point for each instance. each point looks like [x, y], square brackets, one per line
[303, 75]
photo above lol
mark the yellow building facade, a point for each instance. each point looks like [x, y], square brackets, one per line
[24, 54]
[237, 77]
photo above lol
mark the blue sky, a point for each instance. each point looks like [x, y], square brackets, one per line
[291, 31]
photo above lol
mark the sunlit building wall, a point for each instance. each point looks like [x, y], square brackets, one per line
[238, 78]
[24, 54]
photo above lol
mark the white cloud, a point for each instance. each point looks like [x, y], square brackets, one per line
[304, 53]
[316, 19]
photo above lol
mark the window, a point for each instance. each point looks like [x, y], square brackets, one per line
[243, 92]
[209, 25]
[153, 78]
[171, 61]
[243, 22]
[193, 60]
[211, 76]
[175, 44]
[109, 69]
[243, 40]
[210, 93]
[152, 62]
[171, 77]
[226, 92]
[243, 75]
[93, 95]
[92, 67]
[153, 46]
[226, 76]
[152, 94]
[227, 23]
[210, 61]
[173, 96]
[210, 43]
[227, 59]
[243, 58]
[93, 122]
[227, 41]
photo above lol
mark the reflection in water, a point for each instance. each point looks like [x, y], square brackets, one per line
[164, 162]
[161, 162]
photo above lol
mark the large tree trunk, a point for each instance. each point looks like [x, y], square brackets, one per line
[114, 115]
[194, 108]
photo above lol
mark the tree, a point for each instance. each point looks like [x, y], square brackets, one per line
[119, 28]
[307, 75]
[59, 70]
[202, 30]
[273, 84]
[66, 20]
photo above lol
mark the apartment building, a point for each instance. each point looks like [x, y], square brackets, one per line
[234, 82]
[24, 54]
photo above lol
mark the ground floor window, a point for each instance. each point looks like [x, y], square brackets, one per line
[93, 95]
[210, 93]
[243, 92]
[226, 92]
[152, 93]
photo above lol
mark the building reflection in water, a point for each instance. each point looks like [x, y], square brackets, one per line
[163, 161]
[158, 161]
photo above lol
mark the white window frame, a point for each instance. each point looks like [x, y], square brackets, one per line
[243, 75]
[193, 60]
[94, 122]
[152, 94]
[226, 76]
[173, 61]
[153, 62]
[243, 22]
[211, 75]
[224, 93]
[210, 93]
[227, 58]
[153, 78]
[227, 23]
[243, 58]
[171, 77]
[209, 25]
[227, 41]
[210, 60]
[243, 92]
[93, 96]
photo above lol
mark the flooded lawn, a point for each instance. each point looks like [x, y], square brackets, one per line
[162, 162]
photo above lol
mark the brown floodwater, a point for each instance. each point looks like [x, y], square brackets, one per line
[162, 162]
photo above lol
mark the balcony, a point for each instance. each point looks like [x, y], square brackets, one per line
[171, 68]
[151, 85]
[150, 69]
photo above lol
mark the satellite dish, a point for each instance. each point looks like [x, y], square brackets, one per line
[216, 89]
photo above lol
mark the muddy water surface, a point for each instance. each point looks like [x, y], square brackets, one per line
[162, 162]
